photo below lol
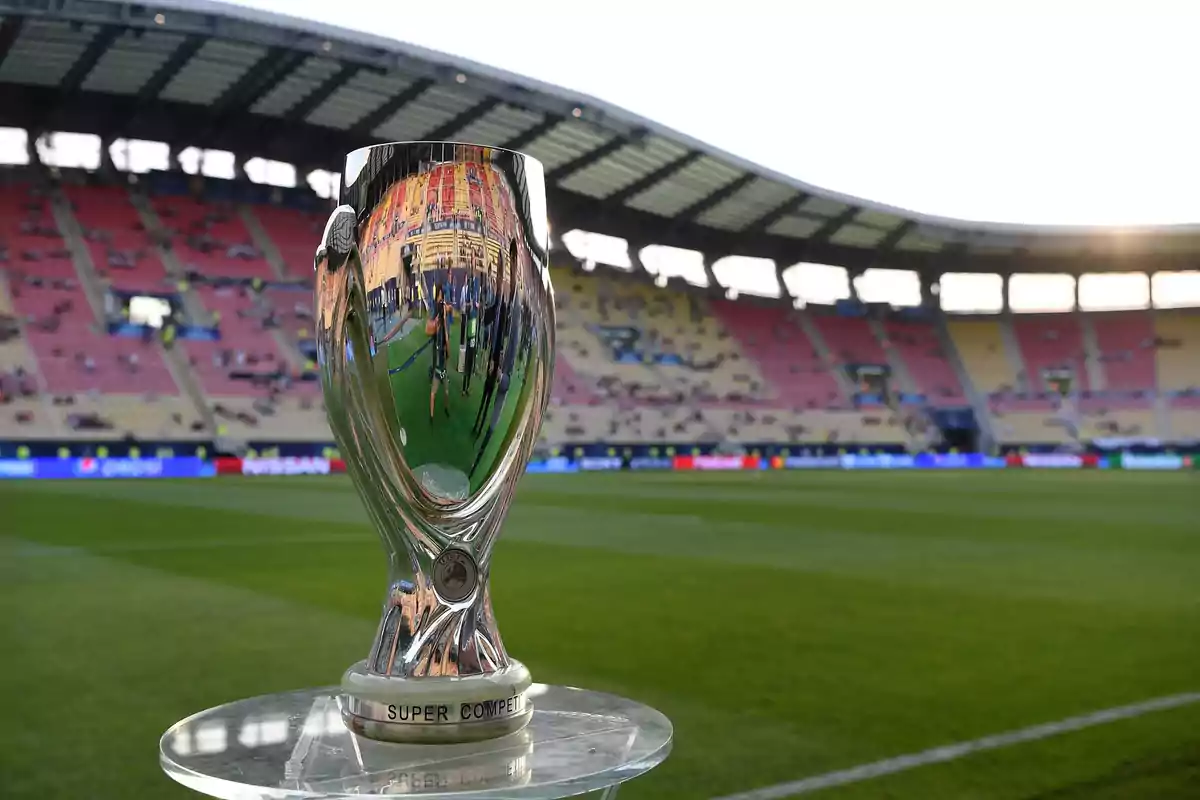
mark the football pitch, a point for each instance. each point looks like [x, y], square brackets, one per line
[790, 624]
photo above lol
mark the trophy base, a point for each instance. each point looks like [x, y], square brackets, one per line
[294, 746]
[435, 710]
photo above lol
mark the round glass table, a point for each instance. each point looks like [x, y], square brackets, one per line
[294, 746]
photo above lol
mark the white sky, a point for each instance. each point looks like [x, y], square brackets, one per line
[1050, 112]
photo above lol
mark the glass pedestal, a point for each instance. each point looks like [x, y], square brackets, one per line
[293, 746]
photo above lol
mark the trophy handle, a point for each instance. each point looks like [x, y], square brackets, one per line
[358, 413]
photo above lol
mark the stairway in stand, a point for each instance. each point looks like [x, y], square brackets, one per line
[94, 288]
[264, 242]
[1092, 364]
[1012, 351]
[193, 310]
[904, 378]
[18, 353]
[835, 367]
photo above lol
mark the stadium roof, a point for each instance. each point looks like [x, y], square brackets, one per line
[214, 75]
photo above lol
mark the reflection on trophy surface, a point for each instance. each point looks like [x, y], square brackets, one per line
[435, 338]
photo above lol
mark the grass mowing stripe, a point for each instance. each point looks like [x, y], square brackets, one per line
[952, 752]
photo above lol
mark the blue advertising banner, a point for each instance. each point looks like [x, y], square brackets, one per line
[881, 461]
[957, 461]
[646, 462]
[85, 468]
[555, 465]
[591, 464]
[192, 332]
[896, 461]
[1160, 461]
[812, 462]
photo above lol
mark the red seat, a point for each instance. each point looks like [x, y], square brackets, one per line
[108, 211]
[184, 217]
[790, 364]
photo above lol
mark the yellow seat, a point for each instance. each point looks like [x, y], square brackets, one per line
[144, 417]
[981, 347]
[1029, 427]
[1178, 367]
[293, 420]
[1185, 423]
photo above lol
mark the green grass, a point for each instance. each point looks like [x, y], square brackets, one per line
[789, 624]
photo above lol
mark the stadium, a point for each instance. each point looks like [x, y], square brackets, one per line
[912, 482]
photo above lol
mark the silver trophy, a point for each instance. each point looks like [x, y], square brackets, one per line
[435, 339]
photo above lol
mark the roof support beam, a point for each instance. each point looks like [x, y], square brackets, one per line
[889, 242]
[259, 79]
[159, 80]
[313, 100]
[364, 128]
[10, 29]
[652, 178]
[77, 74]
[86, 62]
[522, 140]
[452, 126]
[150, 90]
[692, 212]
[763, 223]
[831, 227]
[184, 124]
[590, 157]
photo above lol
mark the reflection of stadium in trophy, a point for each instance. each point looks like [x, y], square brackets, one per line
[444, 259]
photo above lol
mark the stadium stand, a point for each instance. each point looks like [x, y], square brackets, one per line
[290, 310]
[1022, 427]
[293, 233]
[636, 343]
[1177, 342]
[244, 344]
[637, 364]
[1184, 419]
[122, 251]
[918, 345]
[1049, 344]
[1107, 418]
[980, 344]
[1126, 342]
[851, 339]
[786, 357]
[210, 238]
[21, 388]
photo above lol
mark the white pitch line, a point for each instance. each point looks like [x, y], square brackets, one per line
[951, 752]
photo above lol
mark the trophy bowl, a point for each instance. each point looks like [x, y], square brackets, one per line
[435, 346]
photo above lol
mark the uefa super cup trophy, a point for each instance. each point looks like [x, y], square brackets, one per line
[435, 338]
